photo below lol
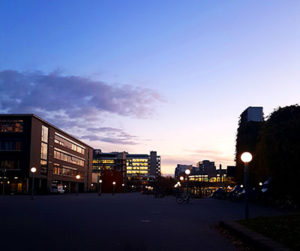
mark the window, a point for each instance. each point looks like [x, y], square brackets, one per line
[11, 125]
[63, 141]
[10, 146]
[9, 164]
[44, 151]
[45, 134]
[68, 158]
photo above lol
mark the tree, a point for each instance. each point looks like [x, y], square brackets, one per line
[277, 154]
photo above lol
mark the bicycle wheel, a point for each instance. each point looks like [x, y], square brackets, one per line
[179, 200]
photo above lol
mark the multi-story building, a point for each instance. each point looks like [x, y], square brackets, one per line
[109, 168]
[208, 167]
[28, 141]
[135, 168]
[180, 169]
[252, 113]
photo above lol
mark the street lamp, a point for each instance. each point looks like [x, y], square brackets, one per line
[260, 183]
[246, 157]
[113, 187]
[100, 187]
[187, 172]
[32, 170]
[181, 178]
[77, 183]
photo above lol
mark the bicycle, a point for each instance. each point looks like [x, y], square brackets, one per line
[183, 198]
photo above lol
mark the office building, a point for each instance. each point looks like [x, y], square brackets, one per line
[135, 169]
[252, 113]
[207, 167]
[180, 169]
[28, 141]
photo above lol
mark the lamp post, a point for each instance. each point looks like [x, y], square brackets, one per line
[246, 157]
[181, 178]
[187, 172]
[113, 187]
[100, 187]
[77, 183]
[123, 186]
[32, 170]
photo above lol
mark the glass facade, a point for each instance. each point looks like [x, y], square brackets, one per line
[58, 154]
[64, 170]
[9, 125]
[63, 141]
[10, 146]
[9, 164]
[44, 146]
[137, 166]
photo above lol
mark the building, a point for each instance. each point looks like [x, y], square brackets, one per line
[142, 167]
[109, 167]
[252, 113]
[28, 141]
[136, 169]
[180, 169]
[250, 124]
[207, 167]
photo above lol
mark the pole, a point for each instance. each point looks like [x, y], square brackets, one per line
[100, 188]
[246, 191]
[3, 191]
[77, 188]
[32, 188]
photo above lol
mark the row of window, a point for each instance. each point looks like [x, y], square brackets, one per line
[137, 168]
[65, 171]
[137, 164]
[68, 158]
[137, 172]
[10, 146]
[9, 164]
[11, 125]
[137, 160]
[63, 142]
[104, 161]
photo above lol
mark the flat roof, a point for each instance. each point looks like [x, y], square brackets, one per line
[46, 122]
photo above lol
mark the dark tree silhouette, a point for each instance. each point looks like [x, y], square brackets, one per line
[277, 153]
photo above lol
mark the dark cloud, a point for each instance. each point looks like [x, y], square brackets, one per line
[75, 102]
[110, 135]
[71, 96]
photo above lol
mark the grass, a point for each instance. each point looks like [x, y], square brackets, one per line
[282, 229]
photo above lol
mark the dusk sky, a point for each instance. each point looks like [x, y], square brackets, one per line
[171, 76]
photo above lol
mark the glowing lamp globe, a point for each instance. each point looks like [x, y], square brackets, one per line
[246, 157]
[33, 169]
[187, 171]
[114, 183]
[77, 176]
[181, 178]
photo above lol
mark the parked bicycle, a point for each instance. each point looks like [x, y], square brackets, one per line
[183, 198]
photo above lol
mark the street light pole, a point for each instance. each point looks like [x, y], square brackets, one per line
[33, 170]
[77, 183]
[100, 187]
[187, 172]
[246, 157]
[113, 191]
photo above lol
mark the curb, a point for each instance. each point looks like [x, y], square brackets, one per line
[255, 239]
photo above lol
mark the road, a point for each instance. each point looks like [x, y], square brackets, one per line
[119, 222]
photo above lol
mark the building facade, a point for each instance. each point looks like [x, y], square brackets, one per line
[136, 169]
[28, 141]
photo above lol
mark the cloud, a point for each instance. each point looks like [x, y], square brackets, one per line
[110, 135]
[71, 96]
[74, 101]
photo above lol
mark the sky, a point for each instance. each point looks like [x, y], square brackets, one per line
[171, 76]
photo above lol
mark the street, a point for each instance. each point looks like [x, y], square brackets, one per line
[119, 222]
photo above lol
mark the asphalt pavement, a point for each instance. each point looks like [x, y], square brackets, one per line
[116, 222]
